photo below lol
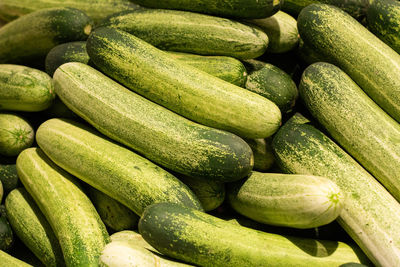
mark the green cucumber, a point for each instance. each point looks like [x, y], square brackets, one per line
[8, 260]
[372, 64]
[298, 201]
[30, 225]
[282, 32]
[27, 40]
[73, 218]
[24, 89]
[8, 174]
[170, 140]
[370, 215]
[383, 19]
[132, 237]
[196, 95]
[189, 32]
[262, 151]
[308, 54]
[16, 134]
[112, 213]
[6, 233]
[233, 8]
[204, 240]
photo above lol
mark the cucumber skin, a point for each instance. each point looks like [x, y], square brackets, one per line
[204, 240]
[29, 38]
[30, 225]
[24, 89]
[9, 260]
[346, 42]
[302, 149]
[208, 152]
[73, 218]
[189, 32]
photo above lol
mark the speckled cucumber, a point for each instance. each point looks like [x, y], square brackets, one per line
[298, 201]
[189, 32]
[204, 240]
[27, 40]
[346, 43]
[6, 233]
[30, 225]
[73, 218]
[8, 174]
[24, 89]
[370, 215]
[8, 260]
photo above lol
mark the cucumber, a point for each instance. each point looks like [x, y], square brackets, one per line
[383, 19]
[298, 201]
[221, 8]
[8, 260]
[27, 40]
[30, 225]
[112, 213]
[308, 54]
[204, 240]
[132, 237]
[262, 151]
[170, 140]
[73, 218]
[370, 215]
[8, 174]
[24, 89]
[196, 95]
[372, 64]
[6, 233]
[189, 32]
[272, 83]
[16, 134]
[282, 32]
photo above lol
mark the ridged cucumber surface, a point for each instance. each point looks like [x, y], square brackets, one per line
[73, 218]
[262, 151]
[157, 133]
[8, 260]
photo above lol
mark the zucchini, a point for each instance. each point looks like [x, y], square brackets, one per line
[302, 149]
[171, 140]
[298, 201]
[24, 89]
[6, 233]
[372, 64]
[8, 174]
[8, 260]
[30, 225]
[73, 218]
[196, 95]
[16, 134]
[189, 32]
[262, 151]
[204, 240]
[27, 40]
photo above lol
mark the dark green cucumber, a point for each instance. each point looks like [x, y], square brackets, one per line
[194, 33]
[6, 233]
[204, 240]
[372, 64]
[24, 89]
[262, 151]
[16, 134]
[27, 40]
[8, 174]
[8, 260]
[383, 19]
[30, 225]
[370, 215]
[73, 218]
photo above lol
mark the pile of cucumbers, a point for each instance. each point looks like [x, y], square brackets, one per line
[200, 133]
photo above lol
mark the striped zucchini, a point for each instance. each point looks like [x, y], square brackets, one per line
[30, 225]
[204, 240]
[29, 38]
[8, 174]
[370, 215]
[170, 140]
[8, 260]
[73, 218]
[262, 151]
[367, 60]
[298, 201]
[24, 89]
[194, 33]
[70, 145]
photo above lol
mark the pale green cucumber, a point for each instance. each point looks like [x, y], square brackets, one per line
[157, 133]
[73, 218]
[132, 237]
[262, 151]
[8, 260]
[30, 225]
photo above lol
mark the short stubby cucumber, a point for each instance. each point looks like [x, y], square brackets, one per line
[116, 171]
[372, 64]
[298, 201]
[8, 260]
[16, 134]
[370, 215]
[24, 89]
[73, 218]
[262, 151]
[170, 140]
[189, 32]
[204, 240]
